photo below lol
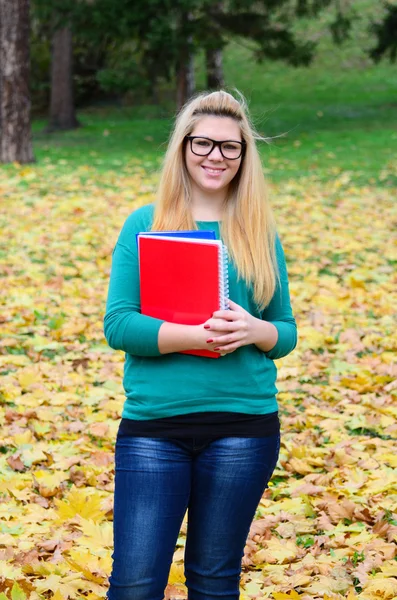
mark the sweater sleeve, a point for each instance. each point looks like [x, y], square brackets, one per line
[125, 328]
[279, 312]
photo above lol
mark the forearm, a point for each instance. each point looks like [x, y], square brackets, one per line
[265, 335]
[132, 332]
[173, 337]
[286, 339]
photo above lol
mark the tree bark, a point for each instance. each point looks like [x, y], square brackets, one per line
[15, 105]
[62, 111]
[215, 77]
[213, 46]
[185, 65]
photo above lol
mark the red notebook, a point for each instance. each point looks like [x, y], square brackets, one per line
[183, 280]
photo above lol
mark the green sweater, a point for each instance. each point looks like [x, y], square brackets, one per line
[163, 385]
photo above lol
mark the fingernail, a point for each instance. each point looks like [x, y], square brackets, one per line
[209, 341]
[206, 326]
[216, 349]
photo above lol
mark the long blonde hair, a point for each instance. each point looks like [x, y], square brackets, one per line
[248, 226]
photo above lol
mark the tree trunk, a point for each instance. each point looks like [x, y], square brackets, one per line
[186, 83]
[62, 112]
[15, 125]
[215, 78]
[213, 46]
[185, 66]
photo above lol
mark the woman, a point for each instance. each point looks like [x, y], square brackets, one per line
[199, 434]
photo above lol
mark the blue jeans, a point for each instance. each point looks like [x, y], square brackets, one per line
[219, 481]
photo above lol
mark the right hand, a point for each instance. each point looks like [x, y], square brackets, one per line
[203, 335]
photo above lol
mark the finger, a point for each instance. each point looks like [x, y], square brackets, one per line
[224, 340]
[221, 351]
[234, 305]
[226, 349]
[229, 315]
[221, 327]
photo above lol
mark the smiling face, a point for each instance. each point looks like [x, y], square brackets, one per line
[213, 173]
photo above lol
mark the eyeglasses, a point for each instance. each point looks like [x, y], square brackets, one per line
[203, 146]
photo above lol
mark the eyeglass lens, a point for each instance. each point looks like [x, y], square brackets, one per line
[202, 147]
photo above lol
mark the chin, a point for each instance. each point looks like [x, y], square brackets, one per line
[213, 185]
[213, 188]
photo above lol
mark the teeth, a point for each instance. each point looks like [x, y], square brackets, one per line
[213, 170]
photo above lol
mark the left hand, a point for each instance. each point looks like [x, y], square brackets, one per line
[231, 329]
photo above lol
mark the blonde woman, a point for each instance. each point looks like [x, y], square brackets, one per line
[199, 434]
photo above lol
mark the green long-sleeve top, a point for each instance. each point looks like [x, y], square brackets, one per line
[164, 385]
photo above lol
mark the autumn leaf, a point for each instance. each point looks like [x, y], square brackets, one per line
[292, 595]
[382, 587]
[17, 593]
[78, 502]
[176, 574]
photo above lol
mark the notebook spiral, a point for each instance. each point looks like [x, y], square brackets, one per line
[224, 278]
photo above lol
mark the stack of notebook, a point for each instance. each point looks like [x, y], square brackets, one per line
[183, 277]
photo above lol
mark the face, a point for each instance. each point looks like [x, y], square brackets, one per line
[213, 173]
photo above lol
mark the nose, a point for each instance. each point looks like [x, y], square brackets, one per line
[215, 154]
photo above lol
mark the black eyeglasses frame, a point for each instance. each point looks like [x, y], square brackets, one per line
[214, 145]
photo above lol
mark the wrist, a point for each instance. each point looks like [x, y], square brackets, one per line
[175, 337]
[265, 335]
[194, 336]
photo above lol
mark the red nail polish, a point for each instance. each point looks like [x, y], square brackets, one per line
[209, 341]
[206, 327]
[216, 349]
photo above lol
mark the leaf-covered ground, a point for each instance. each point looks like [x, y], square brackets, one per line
[327, 525]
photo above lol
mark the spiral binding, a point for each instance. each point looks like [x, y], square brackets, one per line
[224, 278]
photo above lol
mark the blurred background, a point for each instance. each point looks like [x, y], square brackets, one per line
[112, 74]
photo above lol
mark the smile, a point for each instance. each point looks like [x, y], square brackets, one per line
[213, 171]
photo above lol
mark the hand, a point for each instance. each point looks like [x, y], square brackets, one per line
[230, 329]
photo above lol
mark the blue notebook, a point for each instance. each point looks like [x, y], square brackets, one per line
[203, 235]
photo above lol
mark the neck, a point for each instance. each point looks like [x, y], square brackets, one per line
[207, 206]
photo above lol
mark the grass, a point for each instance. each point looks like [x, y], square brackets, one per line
[340, 114]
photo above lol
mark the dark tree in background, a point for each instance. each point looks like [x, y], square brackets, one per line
[168, 33]
[386, 33]
[15, 126]
[213, 49]
[184, 63]
[151, 45]
[58, 21]
[62, 108]
[214, 67]
[385, 30]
